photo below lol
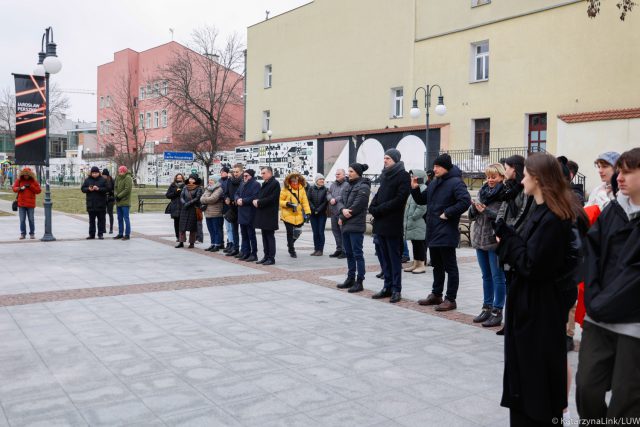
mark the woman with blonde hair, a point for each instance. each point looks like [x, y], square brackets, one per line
[483, 212]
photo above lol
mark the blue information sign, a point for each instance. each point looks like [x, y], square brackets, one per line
[178, 155]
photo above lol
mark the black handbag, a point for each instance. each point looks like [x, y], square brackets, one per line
[14, 205]
[231, 215]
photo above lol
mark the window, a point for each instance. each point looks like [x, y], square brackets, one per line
[101, 130]
[156, 89]
[107, 127]
[165, 87]
[266, 120]
[102, 102]
[156, 119]
[537, 133]
[268, 76]
[141, 122]
[149, 91]
[480, 57]
[148, 120]
[142, 93]
[164, 118]
[475, 3]
[397, 99]
[482, 137]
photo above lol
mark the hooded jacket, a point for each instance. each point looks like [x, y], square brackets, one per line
[297, 197]
[447, 194]
[415, 226]
[122, 189]
[612, 285]
[213, 201]
[27, 196]
[387, 206]
[96, 200]
[356, 198]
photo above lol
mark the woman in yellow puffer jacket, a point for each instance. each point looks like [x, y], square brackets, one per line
[294, 208]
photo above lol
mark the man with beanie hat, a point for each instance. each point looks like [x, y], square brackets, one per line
[244, 197]
[603, 193]
[234, 183]
[224, 181]
[387, 208]
[95, 188]
[447, 199]
[334, 197]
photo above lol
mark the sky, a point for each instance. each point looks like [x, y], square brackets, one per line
[88, 32]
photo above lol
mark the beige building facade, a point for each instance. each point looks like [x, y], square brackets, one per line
[507, 70]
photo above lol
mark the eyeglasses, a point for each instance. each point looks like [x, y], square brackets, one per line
[246, 175]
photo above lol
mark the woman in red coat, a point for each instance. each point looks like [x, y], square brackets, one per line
[27, 187]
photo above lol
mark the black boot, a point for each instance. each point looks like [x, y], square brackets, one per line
[384, 293]
[347, 283]
[395, 297]
[357, 287]
[233, 252]
[180, 245]
[210, 248]
[380, 275]
[494, 320]
[336, 254]
[484, 314]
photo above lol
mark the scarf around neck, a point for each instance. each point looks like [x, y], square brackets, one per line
[488, 195]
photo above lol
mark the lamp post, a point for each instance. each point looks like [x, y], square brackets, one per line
[155, 157]
[441, 109]
[48, 63]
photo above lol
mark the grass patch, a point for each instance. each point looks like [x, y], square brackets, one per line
[72, 200]
[3, 213]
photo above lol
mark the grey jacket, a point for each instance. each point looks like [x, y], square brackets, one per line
[335, 192]
[482, 235]
[214, 202]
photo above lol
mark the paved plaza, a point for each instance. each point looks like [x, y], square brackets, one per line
[140, 333]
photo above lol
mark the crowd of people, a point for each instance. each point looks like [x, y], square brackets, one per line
[548, 258]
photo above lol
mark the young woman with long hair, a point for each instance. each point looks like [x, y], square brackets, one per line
[542, 257]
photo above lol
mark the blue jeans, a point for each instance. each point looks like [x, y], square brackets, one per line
[25, 213]
[229, 227]
[214, 225]
[318, 223]
[352, 246]
[123, 220]
[405, 250]
[249, 241]
[493, 280]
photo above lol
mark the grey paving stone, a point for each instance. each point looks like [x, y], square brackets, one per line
[65, 419]
[175, 400]
[53, 402]
[347, 414]
[231, 390]
[206, 417]
[477, 409]
[309, 397]
[434, 417]
[392, 403]
[259, 409]
[120, 413]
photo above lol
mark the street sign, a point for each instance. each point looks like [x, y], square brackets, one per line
[178, 155]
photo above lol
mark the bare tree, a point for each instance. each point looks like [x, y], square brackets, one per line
[59, 103]
[125, 137]
[204, 88]
[625, 6]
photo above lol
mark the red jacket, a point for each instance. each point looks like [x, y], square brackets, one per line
[27, 197]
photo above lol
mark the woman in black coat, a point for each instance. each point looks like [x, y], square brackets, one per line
[538, 258]
[190, 200]
[175, 206]
[317, 197]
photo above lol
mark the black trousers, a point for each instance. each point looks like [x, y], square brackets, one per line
[419, 250]
[607, 361]
[269, 244]
[100, 216]
[110, 213]
[391, 251]
[290, 239]
[443, 260]
[520, 419]
[176, 227]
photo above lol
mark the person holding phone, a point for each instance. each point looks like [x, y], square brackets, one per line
[95, 188]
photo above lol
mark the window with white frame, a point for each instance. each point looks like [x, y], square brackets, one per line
[164, 118]
[107, 127]
[142, 93]
[397, 101]
[165, 87]
[156, 89]
[480, 64]
[266, 120]
[149, 91]
[475, 3]
[156, 119]
[148, 120]
[108, 101]
[101, 131]
[102, 102]
[268, 76]
[141, 123]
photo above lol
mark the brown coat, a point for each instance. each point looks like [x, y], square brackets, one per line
[214, 201]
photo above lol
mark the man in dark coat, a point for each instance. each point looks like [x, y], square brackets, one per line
[246, 212]
[387, 208]
[232, 186]
[95, 187]
[334, 197]
[610, 348]
[267, 206]
[224, 181]
[447, 199]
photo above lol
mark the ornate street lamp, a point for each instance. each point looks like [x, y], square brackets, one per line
[441, 110]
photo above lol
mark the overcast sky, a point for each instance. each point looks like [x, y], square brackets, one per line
[88, 32]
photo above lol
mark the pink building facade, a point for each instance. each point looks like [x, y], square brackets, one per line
[137, 72]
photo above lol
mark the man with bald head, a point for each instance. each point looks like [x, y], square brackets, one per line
[334, 197]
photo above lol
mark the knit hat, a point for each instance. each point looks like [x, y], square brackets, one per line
[444, 160]
[251, 172]
[215, 177]
[123, 169]
[318, 176]
[225, 169]
[610, 157]
[195, 177]
[95, 169]
[105, 171]
[359, 168]
[394, 154]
